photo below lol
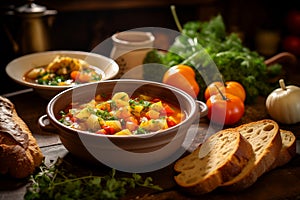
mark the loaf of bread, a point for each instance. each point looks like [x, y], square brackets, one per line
[19, 152]
[219, 159]
[288, 149]
[264, 136]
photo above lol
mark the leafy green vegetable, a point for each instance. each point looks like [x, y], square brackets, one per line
[153, 69]
[55, 182]
[208, 48]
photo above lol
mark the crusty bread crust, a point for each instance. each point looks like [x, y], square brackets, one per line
[19, 152]
[288, 150]
[266, 142]
[218, 159]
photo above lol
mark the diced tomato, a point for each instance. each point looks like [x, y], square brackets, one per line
[109, 130]
[147, 115]
[171, 121]
[73, 119]
[169, 111]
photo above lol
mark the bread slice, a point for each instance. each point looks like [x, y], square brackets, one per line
[288, 149]
[220, 158]
[266, 142]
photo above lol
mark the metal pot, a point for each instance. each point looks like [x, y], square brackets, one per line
[33, 28]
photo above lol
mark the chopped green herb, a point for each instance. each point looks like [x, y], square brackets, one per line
[105, 115]
[140, 131]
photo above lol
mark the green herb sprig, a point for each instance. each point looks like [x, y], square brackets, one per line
[54, 182]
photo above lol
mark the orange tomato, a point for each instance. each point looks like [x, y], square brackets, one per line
[230, 87]
[225, 109]
[182, 77]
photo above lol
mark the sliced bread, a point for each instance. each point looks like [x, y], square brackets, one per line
[264, 136]
[220, 158]
[288, 149]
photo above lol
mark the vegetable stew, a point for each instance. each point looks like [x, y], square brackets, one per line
[63, 71]
[121, 115]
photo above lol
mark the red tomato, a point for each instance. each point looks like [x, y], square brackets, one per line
[231, 87]
[212, 89]
[225, 109]
[109, 130]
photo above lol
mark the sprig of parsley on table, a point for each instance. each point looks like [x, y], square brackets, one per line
[54, 182]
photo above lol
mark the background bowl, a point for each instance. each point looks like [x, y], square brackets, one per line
[17, 68]
[135, 153]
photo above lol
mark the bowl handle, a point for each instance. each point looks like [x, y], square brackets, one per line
[45, 124]
[202, 108]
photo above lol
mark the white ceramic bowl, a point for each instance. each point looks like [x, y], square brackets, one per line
[134, 153]
[17, 68]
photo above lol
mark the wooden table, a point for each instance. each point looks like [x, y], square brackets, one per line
[280, 183]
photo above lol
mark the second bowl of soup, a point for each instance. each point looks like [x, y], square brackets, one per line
[51, 72]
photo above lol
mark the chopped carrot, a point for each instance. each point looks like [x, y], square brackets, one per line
[169, 111]
[75, 74]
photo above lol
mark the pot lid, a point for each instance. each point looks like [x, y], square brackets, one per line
[31, 8]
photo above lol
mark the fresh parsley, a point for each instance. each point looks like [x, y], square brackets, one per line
[54, 182]
[205, 44]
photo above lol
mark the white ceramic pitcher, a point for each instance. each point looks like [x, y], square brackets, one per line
[129, 50]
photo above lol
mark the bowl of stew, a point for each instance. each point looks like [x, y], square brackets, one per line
[50, 72]
[130, 125]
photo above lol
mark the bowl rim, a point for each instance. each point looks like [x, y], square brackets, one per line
[192, 102]
[8, 68]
